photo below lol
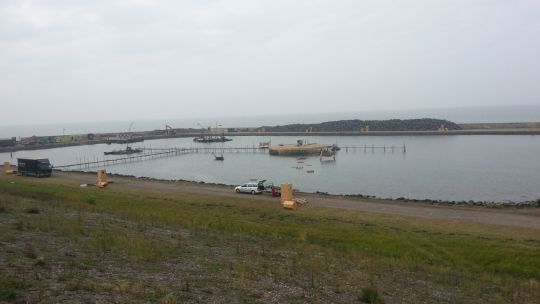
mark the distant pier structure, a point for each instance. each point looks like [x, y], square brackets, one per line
[300, 148]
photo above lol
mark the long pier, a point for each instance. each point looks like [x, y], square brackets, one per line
[212, 149]
[87, 164]
[155, 153]
[254, 149]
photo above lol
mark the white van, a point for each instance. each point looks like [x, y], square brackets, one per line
[251, 187]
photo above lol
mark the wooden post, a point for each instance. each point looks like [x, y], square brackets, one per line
[287, 199]
[7, 168]
[101, 178]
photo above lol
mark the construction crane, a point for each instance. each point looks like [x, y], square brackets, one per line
[169, 130]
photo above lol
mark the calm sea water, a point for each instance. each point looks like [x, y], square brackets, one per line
[490, 168]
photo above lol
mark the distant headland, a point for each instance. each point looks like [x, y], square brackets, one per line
[423, 124]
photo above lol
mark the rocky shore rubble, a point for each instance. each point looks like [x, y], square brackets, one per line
[490, 204]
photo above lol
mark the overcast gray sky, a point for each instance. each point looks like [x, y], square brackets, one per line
[66, 61]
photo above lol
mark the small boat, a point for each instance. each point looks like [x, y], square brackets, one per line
[264, 145]
[211, 139]
[208, 136]
[127, 150]
[327, 154]
[218, 157]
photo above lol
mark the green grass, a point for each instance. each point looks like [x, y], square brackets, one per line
[10, 288]
[326, 242]
[267, 221]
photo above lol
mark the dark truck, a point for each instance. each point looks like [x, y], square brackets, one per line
[34, 167]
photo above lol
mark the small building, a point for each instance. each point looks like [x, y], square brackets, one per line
[8, 142]
[38, 140]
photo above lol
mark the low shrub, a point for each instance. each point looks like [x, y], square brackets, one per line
[370, 295]
[32, 210]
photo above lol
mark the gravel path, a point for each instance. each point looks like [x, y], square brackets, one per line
[502, 217]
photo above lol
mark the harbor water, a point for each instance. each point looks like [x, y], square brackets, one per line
[454, 168]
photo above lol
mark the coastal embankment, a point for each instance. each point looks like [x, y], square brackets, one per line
[524, 214]
[178, 242]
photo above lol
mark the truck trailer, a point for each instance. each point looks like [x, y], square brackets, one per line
[34, 167]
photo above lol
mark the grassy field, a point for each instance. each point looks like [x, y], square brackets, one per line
[61, 242]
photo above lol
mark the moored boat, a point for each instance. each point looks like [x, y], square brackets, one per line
[127, 150]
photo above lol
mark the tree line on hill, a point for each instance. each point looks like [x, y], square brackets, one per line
[422, 124]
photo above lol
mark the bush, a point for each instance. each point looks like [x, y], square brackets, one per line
[32, 210]
[370, 295]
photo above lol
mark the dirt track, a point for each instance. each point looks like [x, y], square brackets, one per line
[502, 217]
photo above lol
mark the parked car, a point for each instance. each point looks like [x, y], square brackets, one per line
[250, 187]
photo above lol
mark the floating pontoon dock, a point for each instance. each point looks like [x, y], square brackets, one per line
[304, 149]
